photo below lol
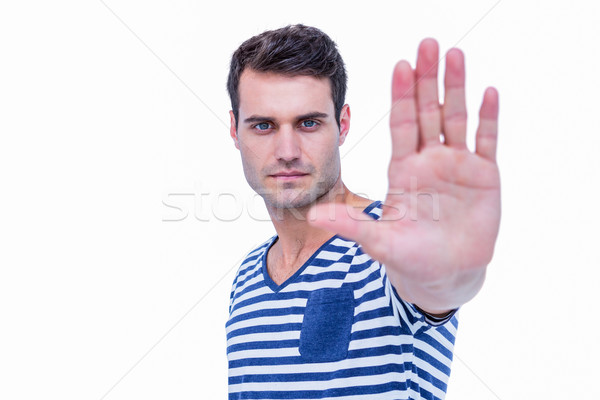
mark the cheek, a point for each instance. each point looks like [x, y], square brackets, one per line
[326, 157]
[333, 161]
[255, 158]
[249, 161]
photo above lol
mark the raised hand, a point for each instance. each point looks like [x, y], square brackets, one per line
[442, 211]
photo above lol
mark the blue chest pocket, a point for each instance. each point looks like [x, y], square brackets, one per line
[327, 325]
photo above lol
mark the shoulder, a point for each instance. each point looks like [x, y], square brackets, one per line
[374, 209]
[257, 253]
[252, 262]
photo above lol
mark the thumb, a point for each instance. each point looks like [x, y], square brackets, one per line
[344, 220]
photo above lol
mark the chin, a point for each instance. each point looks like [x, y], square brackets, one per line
[293, 201]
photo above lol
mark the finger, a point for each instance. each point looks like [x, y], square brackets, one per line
[486, 140]
[455, 108]
[427, 93]
[403, 117]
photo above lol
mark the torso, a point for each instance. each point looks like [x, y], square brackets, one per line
[334, 328]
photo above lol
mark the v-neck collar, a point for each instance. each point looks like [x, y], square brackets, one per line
[267, 278]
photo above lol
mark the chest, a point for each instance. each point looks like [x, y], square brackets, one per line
[327, 314]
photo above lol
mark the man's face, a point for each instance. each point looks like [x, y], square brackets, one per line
[288, 137]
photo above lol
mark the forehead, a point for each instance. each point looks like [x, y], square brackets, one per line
[269, 93]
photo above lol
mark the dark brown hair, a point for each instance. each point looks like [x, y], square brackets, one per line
[292, 50]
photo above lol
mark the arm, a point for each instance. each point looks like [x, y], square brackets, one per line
[442, 211]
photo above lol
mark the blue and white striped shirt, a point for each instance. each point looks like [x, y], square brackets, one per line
[336, 329]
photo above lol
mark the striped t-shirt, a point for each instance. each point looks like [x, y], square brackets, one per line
[336, 329]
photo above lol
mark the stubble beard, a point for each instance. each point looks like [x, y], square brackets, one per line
[298, 196]
[295, 197]
[287, 197]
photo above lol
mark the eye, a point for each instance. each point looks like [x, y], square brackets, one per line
[263, 126]
[309, 123]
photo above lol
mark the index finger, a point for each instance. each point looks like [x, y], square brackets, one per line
[403, 117]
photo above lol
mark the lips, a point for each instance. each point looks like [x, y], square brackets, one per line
[288, 175]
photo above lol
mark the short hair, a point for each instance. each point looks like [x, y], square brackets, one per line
[292, 50]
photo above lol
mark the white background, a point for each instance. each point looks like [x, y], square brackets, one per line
[104, 114]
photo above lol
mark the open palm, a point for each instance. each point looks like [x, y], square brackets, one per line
[442, 211]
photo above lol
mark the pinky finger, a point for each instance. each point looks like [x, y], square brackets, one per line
[487, 133]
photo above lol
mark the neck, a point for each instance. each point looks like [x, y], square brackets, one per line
[297, 239]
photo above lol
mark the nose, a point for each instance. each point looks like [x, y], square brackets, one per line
[287, 144]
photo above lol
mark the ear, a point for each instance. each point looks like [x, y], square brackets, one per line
[233, 130]
[344, 123]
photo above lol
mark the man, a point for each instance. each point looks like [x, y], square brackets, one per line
[352, 298]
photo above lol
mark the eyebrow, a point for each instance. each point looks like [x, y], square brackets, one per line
[311, 115]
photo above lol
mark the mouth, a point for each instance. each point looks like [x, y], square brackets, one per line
[288, 175]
